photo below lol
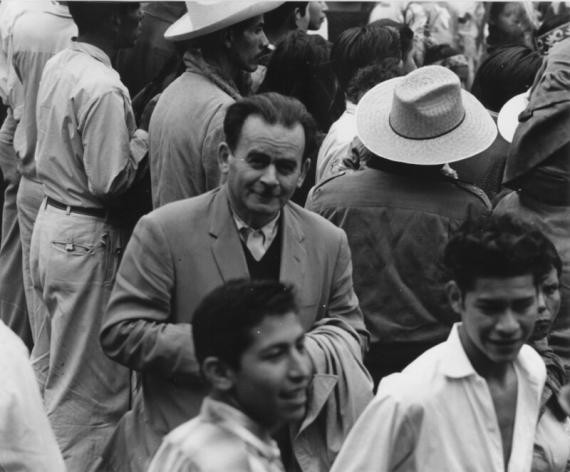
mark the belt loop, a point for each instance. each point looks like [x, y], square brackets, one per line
[45, 202]
[68, 211]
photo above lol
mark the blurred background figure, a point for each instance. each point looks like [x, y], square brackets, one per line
[301, 67]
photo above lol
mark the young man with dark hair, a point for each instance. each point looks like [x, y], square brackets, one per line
[472, 402]
[249, 344]
[88, 154]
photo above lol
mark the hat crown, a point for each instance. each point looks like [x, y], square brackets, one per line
[427, 104]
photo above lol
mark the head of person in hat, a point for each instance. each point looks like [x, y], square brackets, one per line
[423, 119]
[228, 33]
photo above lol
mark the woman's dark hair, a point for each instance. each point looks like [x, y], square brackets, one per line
[363, 46]
[300, 67]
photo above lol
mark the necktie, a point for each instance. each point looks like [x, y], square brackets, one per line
[254, 240]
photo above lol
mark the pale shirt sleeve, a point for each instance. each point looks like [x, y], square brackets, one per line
[111, 152]
[169, 458]
[27, 441]
[383, 438]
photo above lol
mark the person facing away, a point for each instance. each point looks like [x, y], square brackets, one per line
[399, 211]
[88, 155]
[249, 343]
[180, 252]
[472, 402]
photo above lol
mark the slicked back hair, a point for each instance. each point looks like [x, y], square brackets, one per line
[273, 108]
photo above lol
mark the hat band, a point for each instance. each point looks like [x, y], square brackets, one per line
[457, 125]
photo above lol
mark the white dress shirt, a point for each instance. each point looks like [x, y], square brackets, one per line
[438, 415]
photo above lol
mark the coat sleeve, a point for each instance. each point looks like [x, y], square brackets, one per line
[137, 330]
[343, 302]
[383, 438]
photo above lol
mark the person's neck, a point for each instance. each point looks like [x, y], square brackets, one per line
[485, 367]
[105, 44]
[225, 67]
[260, 430]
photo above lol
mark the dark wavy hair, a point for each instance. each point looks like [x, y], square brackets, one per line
[273, 108]
[496, 246]
[301, 67]
[363, 46]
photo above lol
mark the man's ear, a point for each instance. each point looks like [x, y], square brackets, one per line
[305, 166]
[115, 21]
[454, 296]
[224, 154]
[219, 375]
[228, 38]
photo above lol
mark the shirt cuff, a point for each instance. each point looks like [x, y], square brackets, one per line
[139, 145]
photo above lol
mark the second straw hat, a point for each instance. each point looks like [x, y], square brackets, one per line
[424, 118]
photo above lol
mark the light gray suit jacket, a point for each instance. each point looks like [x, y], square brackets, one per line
[177, 255]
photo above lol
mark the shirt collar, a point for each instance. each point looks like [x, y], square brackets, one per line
[457, 364]
[242, 426]
[350, 107]
[93, 51]
[268, 230]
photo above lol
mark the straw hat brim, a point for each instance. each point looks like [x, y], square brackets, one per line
[475, 134]
[188, 28]
[508, 119]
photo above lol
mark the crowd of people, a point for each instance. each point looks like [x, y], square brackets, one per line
[232, 241]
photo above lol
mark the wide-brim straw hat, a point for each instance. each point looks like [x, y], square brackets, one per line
[508, 119]
[424, 118]
[207, 16]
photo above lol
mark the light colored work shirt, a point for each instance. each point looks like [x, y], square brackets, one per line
[220, 439]
[37, 35]
[438, 415]
[88, 150]
[336, 145]
[27, 441]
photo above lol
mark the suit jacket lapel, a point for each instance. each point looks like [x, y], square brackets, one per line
[293, 250]
[226, 245]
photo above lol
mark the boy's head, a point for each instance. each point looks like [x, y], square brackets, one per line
[250, 346]
[496, 265]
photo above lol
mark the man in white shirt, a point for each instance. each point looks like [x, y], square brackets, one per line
[471, 402]
[251, 349]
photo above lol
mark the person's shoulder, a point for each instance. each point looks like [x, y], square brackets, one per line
[182, 211]
[421, 379]
[207, 446]
[313, 223]
[532, 363]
